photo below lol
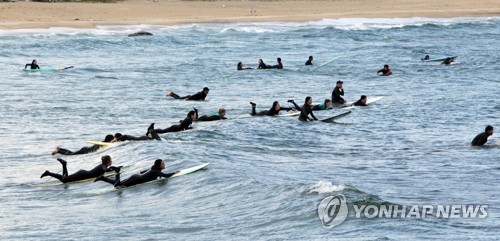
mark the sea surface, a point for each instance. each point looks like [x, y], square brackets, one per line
[267, 175]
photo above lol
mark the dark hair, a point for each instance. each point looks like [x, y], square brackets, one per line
[275, 103]
[105, 159]
[239, 63]
[33, 62]
[327, 100]
[310, 57]
[488, 128]
[307, 99]
[363, 97]
[118, 135]
[279, 59]
[157, 164]
[386, 66]
[108, 138]
[191, 113]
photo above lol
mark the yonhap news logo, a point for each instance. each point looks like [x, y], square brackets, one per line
[334, 210]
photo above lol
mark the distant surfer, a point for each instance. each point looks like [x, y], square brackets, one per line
[240, 66]
[217, 116]
[80, 175]
[482, 138]
[306, 110]
[385, 71]
[448, 61]
[279, 64]
[361, 101]
[141, 177]
[309, 61]
[427, 57]
[33, 65]
[184, 125]
[150, 135]
[263, 65]
[326, 105]
[275, 110]
[83, 150]
[198, 96]
[337, 92]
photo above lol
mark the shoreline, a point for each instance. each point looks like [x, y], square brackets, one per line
[30, 15]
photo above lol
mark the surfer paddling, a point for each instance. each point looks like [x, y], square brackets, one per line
[306, 110]
[217, 116]
[184, 125]
[275, 109]
[198, 96]
[150, 135]
[83, 150]
[81, 175]
[33, 65]
[482, 138]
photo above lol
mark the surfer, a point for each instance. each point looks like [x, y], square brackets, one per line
[482, 138]
[279, 65]
[141, 177]
[262, 65]
[309, 61]
[275, 109]
[326, 105]
[217, 116]
[198, 96]
[80, 175]
[240, 66]
[184, 125]
[361, 101]
[306, 110]
[448, 61]
[337, 92]
[84, 150]
[34, 65]
[385, 71]
[427, 57]
[150, 135]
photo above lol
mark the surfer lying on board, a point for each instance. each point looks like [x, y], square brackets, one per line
[337, 92]
[150, 135]
[80, 175]
[142, 177]
[427, 57]
[262, 65]
[198, 96]
[361, 101]
[240, 66]
[217, 116]
[275, 110]
[84, 150]
[184, 125]
[34, 65]
[309, 61]
[306, 110]
[482, 138]
[279, 65]
[448, 61]
[385, 71]
[326, 105]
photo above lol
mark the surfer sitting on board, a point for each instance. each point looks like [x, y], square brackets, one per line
[275, 110]
[279, 65]
[326, 105]
[150, 135]
[337, 92]
[184, 125]
[361, 101]
[34, 65]
[448, 61]
[198, 96]
[218, 116]
[80, 175]
[306, 110]
[262, 65]
[142, 177]
[309, 61]
[385, 71]
[482, 138]
[84, 150]
[240, 66]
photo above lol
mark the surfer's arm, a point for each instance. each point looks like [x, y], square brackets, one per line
[167, 175]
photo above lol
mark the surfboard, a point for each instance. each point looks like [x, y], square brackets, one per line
[57, 183]
[100, 143]
[439, 59]
[350, 105]
[48, 69]
[328, 62]
[288, 115]
[332, 119]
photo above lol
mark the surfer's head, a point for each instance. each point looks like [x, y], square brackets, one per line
[34, 61]
[363, 99]
[328, 103]
[308, 100]
[106, 160]
[159, 164]
[205, 90]
[222, 112]
[489, 130]
[339, 83]
[240, 65]
[276, 105]
[192, 114]
[108, 138]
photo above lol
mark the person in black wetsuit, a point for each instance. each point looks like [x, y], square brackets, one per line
[427, 57]
[262, 65]
[306, 110]
[361, 101]
[279, 65]
[150, 135]
[309, 61]
[84, 150]
[99, 170]
[275, 110]
[385, 71]
[142, 177]
[198, 96]
[184, 125]
[33, 65]
[482, 138]
[337, 92]
[218, 116]
[240, 66]
[448, 61]
[326, 105]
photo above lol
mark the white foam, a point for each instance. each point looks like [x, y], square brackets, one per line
[326, 187]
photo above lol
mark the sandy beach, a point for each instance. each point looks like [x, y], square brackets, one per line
[20, 15]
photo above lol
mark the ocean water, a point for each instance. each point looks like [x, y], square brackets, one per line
[267, 175]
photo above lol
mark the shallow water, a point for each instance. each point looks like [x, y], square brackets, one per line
[267, 175]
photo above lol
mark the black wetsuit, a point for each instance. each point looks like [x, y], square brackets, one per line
[278, 66]
[198, 96]
[99, 170]
[385, 72]
[136, 179]
[264, 66]
[84, 150]
[210, 118]
[33, 66]
[306, 110]
[309, 62]
[337, 92]
[134, 138]
[270, 112]
[184, 125]
[358, 103]
[480, 139]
